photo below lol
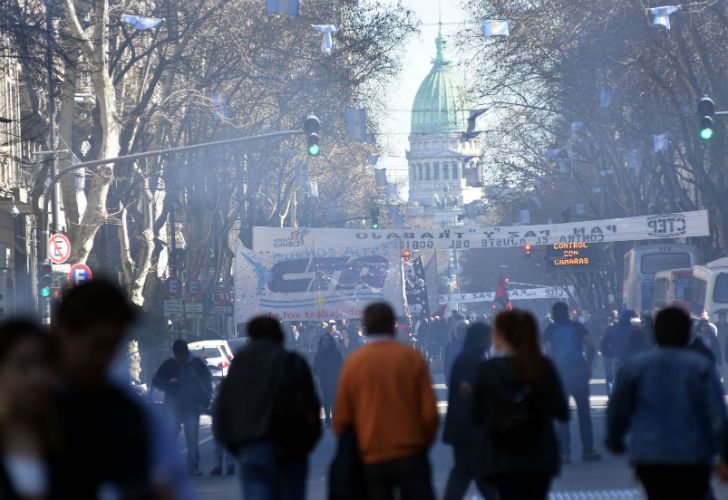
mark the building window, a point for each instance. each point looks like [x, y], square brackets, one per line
[455, 170]
[419, 171]
[445, 171]
[427, 172]
[436, 170]
[413, 172]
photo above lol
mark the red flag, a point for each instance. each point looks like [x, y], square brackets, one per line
[501, 294]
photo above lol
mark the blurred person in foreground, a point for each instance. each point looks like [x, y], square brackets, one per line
[461, 432]
[518, 396]
[670, 402]
[187, 386]
[268, 415]
[570, 347]
[110, 444]
[385, 394]
[28, 437]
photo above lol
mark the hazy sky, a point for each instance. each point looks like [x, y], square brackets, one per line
[416, 64]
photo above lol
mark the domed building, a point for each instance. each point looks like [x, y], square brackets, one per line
[444, 168]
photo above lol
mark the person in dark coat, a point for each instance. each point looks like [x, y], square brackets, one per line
[615, 344]
[461, 432]
[455, 346]
[517, 397]
[187, 386]
[706, 341]
[327, 366]
[244, 415]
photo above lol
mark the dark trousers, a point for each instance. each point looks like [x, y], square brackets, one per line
[668, 482]
[464, 471]
[523, 486]
[263, 478]
[411, 477]
[327, 403]
[576, 385]
[189, 420]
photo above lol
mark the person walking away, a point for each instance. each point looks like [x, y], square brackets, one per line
[267, 415]
[187, 386]
[706, 336]
[615, 344]
[27, 428]
[517, 397]
[569, 346]
[385, 394]
[670, 402]
[327, 366]
[460, 431]
[454, 347]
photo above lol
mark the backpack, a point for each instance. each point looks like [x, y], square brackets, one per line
[567, 349]
[514, 422]
[295, 425]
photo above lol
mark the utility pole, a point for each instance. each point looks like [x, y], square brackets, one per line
[50, 220]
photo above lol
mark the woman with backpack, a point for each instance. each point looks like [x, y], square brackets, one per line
[518, 394]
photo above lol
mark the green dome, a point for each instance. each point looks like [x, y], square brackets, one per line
[440, 104]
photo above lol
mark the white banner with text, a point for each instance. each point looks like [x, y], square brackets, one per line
[282, 242]
[547, 292]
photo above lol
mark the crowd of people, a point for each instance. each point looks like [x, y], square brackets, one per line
[70, 427]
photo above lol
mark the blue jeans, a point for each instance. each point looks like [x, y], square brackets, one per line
[190, 421]
[262, 478]
[576, 385]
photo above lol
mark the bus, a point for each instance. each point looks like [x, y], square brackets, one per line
[673, 287]
[643, 262]
[710, 288]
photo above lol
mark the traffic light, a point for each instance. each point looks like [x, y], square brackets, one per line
[45, 280]
[527, 249]
[374, 216]
[706, 110]
[406, 254]
[312, 127]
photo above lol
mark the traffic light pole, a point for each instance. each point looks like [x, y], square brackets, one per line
[160, 152]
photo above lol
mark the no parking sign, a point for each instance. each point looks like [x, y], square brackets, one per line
[79, 273]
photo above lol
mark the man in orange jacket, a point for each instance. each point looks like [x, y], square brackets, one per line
[385, 393]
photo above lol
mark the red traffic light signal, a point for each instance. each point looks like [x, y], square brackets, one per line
[527, 249]
[406, 254]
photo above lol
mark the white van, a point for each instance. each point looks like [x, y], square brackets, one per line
[215, 353]
[710, 288]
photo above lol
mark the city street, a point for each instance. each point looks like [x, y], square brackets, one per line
[609, 478]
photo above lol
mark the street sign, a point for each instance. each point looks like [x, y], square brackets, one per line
[221, 310]
[59, 248]
[174, 309]
[79, 273]
[174, 287]
[194, 287]
[221, 296]
[193, 309]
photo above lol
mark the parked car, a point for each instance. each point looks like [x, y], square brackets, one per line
[216, 353]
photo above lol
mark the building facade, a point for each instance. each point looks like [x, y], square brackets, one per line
[444, 168]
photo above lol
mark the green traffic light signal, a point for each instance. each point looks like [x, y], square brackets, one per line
[45, 292]
[706, 133]
[314, 149]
